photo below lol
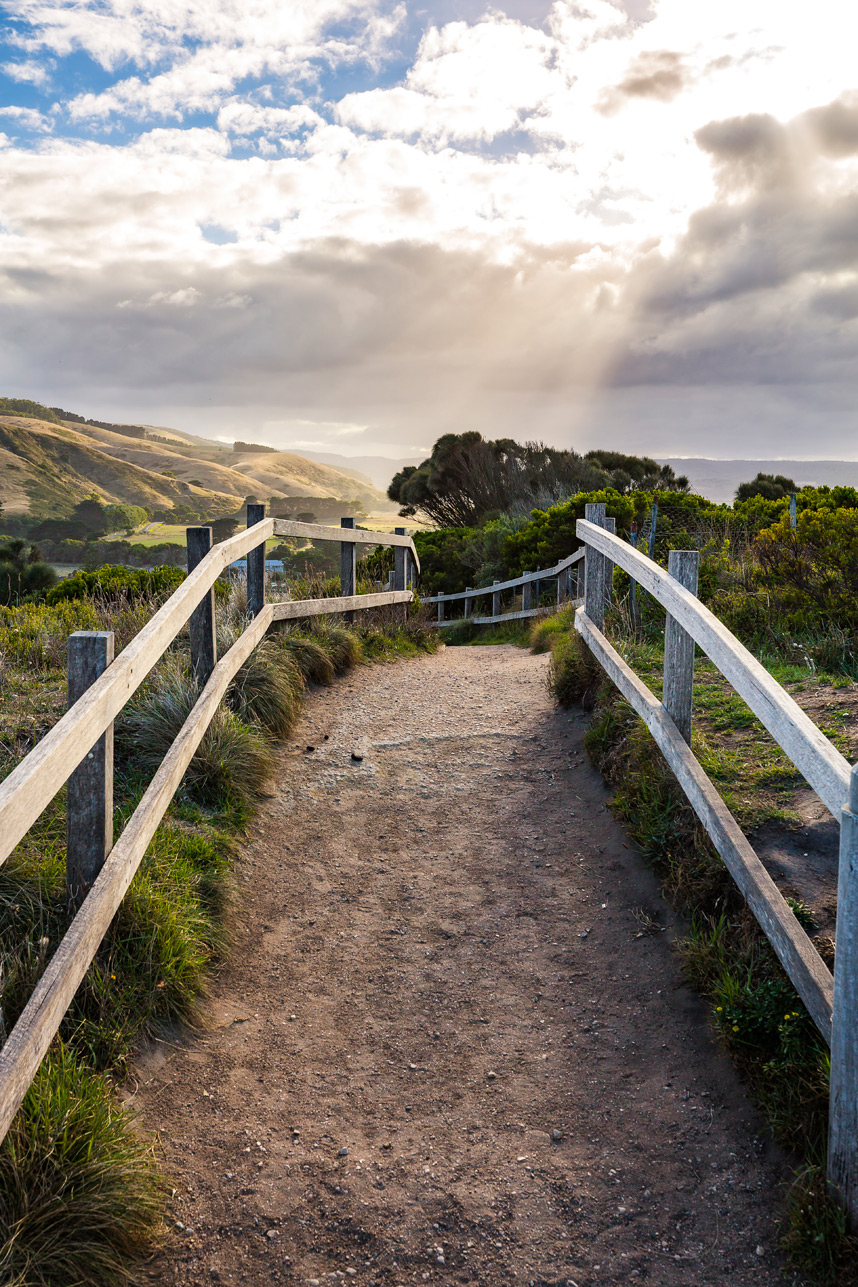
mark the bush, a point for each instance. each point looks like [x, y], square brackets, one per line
[232, 760]
[80, 1200]
[112, 582]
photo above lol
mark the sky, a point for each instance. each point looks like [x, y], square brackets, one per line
[353, 225]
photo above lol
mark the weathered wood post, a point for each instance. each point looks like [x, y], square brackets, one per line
[560, 576]
[537, 591]
[440, 612]
[634, 615]
[198, 541]
[255, 567]
[496, 600]
[679, 647]
[653, 526]
[469, 603]
[401, 569]
[89, 798]
[595, 569]
[843, 1095]
[526, 596]
[348, 567]
[400, 566]
[793, 517]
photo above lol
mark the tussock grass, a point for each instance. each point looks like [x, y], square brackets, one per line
[309, 656]
[343, 646]
[268, 689]
[80, 1198]
[545, 631]
[233, 759]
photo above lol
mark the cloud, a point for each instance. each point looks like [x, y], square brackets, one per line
[658, 74]
[508, 222]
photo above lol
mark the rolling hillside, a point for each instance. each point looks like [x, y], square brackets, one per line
[46, 468]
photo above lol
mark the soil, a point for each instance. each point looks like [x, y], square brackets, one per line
[453, 1043]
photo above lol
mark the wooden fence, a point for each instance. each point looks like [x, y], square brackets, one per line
[831, 1002]
[79, 749]
[530, 585]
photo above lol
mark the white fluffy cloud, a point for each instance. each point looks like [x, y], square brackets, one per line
[504, 221]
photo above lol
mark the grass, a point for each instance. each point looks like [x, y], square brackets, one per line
[80, 1199]
[753, 1004]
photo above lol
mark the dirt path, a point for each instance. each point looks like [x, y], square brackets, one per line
[446, 1049]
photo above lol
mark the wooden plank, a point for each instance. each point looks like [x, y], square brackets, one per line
[679, 648]
[527, 579]
[201, 626]
[29, 1039]
[821, 764]
[36, 780]
[89, 803]
[297, 609]
[318, 532]
[843, 1098]
[255, 566]
[794, 950]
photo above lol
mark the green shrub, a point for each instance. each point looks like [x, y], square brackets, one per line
[80, 1200]
[232, 760]
[113, 582]
[309, 656]
[267, 690]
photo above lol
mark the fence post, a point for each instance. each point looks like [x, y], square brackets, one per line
[653, 526]
[595, 569]
[679, 647]
[843, 1100]
[526, 596]
[255, 567]
[89, 798]
[496, 600]
[348, 567]
[633, 585]
[469, 603]
[400, 566]
[440, 612]
[198, 541]
[792, 510]
[560, 576]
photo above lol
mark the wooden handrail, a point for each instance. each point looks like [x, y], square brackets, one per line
[820, 763]
[40, 1019]
[800, 959]
[344, 535]
[32, 785]
[544, 574]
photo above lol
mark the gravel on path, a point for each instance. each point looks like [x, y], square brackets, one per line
[453, 1043]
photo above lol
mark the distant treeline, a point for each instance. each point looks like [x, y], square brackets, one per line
[130, 431]
[251, 446]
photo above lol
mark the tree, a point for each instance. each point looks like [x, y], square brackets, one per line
[468, 479]
[769, 486]
[224, 527]
[23, 574]
[637, 473]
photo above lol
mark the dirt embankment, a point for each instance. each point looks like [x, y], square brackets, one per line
[453, 1044]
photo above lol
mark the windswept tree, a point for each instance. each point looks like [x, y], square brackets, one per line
[23, 574]
[469, 479]
[637, 473]
[769, 486]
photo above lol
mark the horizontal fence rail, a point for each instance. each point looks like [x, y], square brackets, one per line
[526, 583]
[33, 784]
[832, 1002]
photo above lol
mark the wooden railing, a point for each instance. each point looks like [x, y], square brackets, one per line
[530, 585]
[79, 750]
[831, 1002]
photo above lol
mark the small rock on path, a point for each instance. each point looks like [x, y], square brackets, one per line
[442, 1051]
